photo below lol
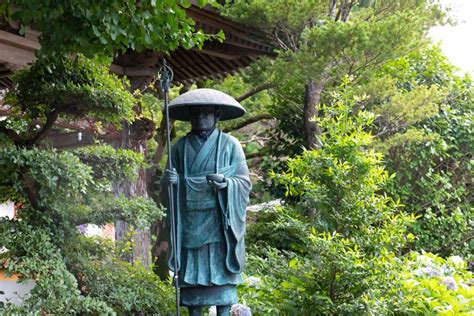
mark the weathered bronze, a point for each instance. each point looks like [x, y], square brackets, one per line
[212, 187]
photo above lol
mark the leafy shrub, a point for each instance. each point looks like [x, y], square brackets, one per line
[432, 158]
[426, 284]
[33, 254]
[346, 232]
[72, 273]
[75, 88]
[336, 247]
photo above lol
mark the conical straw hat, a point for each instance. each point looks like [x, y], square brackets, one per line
[228, 106]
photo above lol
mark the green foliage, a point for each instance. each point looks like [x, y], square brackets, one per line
[336, 186]
[71, 87]
[327, 48]
[335, 227]
[342, 280]
[432, 156]
[58, 174]
[106, 27]
[59, 185]
[84, 276]
[125, 287]
[278, 228]
[32, 253]
[111, 164]
[426, 284]
[58, 192]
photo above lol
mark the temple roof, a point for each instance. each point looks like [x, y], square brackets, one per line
[242, 46]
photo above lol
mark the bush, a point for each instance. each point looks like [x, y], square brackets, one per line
[73, 274]
[336, 247]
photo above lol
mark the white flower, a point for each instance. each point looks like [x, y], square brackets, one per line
[240, 310]
[253, 281]
[457, 261]
[429, 271]
[424, 259]
[433, 272]
[450, 283]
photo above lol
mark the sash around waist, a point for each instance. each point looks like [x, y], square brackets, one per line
[202, 219]
[200, 195]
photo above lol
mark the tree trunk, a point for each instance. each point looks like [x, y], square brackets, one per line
[310, 113]
[134, 137]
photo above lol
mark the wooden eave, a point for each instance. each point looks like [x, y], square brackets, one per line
[242, 46]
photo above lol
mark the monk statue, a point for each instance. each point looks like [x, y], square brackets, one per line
[211, 184]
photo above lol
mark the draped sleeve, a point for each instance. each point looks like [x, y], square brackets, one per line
[233, 201]
[176, 153]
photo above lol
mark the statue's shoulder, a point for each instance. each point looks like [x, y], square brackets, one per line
[230, 139]
[178, 144]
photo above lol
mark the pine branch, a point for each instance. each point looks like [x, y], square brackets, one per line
[254, 91]
[52, 117]
[256, 154]
[248, 121]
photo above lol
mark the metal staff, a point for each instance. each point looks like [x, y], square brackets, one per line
[166, 77]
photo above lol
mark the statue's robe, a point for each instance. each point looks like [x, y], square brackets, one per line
[210, 224]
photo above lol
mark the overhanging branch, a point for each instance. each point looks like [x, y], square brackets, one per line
[10, 133]
[248, 121]
[256, 154]
[254, 91]
[52, 117]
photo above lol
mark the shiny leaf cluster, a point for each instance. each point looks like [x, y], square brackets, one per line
[106, 27]
[56, 193]
[432, 157]
[78, 87]
[113, 165]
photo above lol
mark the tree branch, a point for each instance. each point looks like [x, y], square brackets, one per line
[52, 117]
[256, 154]
[254, 91]
[250, 120]
[332, 7]
[10, 134]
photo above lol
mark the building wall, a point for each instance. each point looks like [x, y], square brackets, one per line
[7, 210]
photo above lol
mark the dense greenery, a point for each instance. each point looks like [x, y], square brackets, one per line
[335, 245]
[58, 192]
[107, 27]
[359, 126]
[432, 154]
[65, 89]
[343, 241]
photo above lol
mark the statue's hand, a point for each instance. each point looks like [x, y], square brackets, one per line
[171, 176]
[218, 181]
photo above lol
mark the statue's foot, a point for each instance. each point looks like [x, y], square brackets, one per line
[223, 310]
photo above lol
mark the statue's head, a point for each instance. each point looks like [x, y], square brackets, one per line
[204, 107]
[204, 117]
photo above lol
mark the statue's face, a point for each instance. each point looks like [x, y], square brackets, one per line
[203, 118]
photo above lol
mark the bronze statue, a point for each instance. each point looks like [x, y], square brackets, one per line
[212, 186]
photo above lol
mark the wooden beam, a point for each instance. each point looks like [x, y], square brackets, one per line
[15, 55]
[17, 50]
[134, 71]
[19, 41]
[68, 140]
[213, 19]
